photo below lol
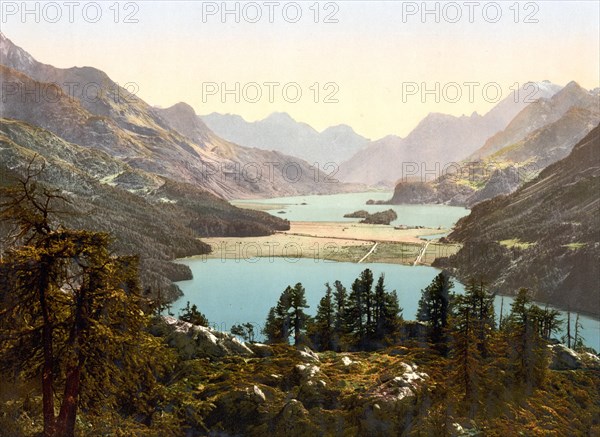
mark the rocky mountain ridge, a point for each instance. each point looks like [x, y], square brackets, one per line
[84, 106]
[439, 139]
[507, 160]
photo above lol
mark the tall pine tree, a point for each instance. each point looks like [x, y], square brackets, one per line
[434, 306]
[298, 317]
[322, 330]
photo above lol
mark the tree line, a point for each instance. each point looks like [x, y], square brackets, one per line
[462, 328]
[364, 318]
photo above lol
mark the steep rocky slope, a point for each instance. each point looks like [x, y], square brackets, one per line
[544, 111]
[545, 236]
[84, 106]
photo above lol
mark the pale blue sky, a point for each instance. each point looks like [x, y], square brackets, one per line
[370, 53]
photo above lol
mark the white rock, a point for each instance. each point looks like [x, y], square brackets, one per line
[308, 370]
[258, 392]
[309, 354]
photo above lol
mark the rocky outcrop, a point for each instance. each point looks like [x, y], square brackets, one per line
[413, 193]
[361, 213]
[502, 181]
[193, 341]
[380, 218]
[563, 358]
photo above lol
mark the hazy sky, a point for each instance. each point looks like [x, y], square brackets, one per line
[370, 59]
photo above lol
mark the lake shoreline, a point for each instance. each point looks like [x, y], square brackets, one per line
[335, 241]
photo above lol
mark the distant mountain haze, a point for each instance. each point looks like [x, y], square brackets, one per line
[539, 135]
[438, 140]
[280, 132]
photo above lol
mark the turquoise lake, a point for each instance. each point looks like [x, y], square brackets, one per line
[331, 208]
[238, 291]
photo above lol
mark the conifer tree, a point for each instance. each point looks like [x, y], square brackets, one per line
[322, 330]
[273, 329]
[297, 304]
[387, 313]
[578, 339]
[70, 312]
[245, 330]
[366, 285]
[278, 324]
[527, 351]
[482, 306]
[465, 355]
[380, 310]
[434, 306]
[472, 325]
[192, 315]
[340, 296]
[355, 314]
[392, 316]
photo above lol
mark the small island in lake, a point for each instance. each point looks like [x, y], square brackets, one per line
[357, 214]
[378, 218]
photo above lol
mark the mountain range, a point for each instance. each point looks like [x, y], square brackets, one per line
[439, 139]
[539, 135]
[282, 133]
[155, 179]
[544, 236]
[150, 215]
[84, 106]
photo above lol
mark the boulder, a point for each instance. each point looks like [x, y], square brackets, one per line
[390, 402]
[399, 387]
[238, 408]
[306, 354]
[312, 386]
[564, 358]
[293, 420]
[350, 365]
[590, 361]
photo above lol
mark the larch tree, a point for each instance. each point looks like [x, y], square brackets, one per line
[527, 350]
[465, 356]
[70, 311]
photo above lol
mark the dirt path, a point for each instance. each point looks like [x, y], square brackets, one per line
[368, 253]
[418, 260]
